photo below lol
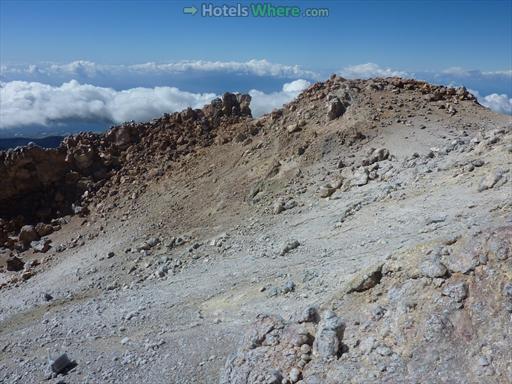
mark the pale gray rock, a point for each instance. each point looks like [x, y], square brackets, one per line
[329, 335]
[290, 246]
[490, 180]
[458, 291]
[41, 246]
[433, 268]
[360, 177]
[326, 191]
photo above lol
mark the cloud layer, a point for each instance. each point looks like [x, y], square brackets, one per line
[30, 103]
[23, 103]
[91, 70]
[265, 102]
[365, 71]
[84, 91]
[498, 103]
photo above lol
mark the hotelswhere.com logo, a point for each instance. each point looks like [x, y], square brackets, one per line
[254, 10]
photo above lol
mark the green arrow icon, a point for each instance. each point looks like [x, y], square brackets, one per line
[190, 10]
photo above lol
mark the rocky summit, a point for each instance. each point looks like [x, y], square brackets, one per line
[360, 234]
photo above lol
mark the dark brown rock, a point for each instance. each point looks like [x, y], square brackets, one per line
[14, 264]
[28, 234]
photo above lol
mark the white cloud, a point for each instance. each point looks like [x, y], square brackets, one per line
[496, 102]
[23, 103]
[365, 71]
[256, 67]
[475, 73]
[29, 103]
[296, 86]
[265, 102]
[89, 69]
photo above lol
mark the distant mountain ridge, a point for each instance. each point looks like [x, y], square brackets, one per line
[45, 142]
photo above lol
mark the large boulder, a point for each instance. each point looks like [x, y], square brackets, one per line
[244, 100]
[230, 104]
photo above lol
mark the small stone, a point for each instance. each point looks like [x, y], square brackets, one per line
[144, 247]
[436, 219]
[507, 290]
[62, 364]
[42, 245]
[378, 312]
[463, 261]
[326, 191]
[153, 241]
[294, 375]
[366, 279]
[272, 292]
[433, 268]
[289, 247]
[490, 181]
[289, 286]
[27, 275]
[78, 210]
[383, 350]
[329, 335]
[110, 255]
[309, 315]
[290, 204]
[335, 109]
[458, 291]
[162, 271]
[305, 348]
[43, 229]
[377, 155]
[361, 177]
[367, 345]
[483, 361]
[293, 128]
[14, 264]
[278, 207]
[28, 234]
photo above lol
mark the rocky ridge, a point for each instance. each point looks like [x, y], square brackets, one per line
[41, 185]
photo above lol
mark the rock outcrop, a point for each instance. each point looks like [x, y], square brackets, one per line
[417, 325]
[42, 184]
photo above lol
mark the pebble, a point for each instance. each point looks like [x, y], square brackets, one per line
[294, 375]
[458, 291]
[291, 245]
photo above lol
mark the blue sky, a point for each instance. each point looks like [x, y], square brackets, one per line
[430, 35]
[66, 65]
